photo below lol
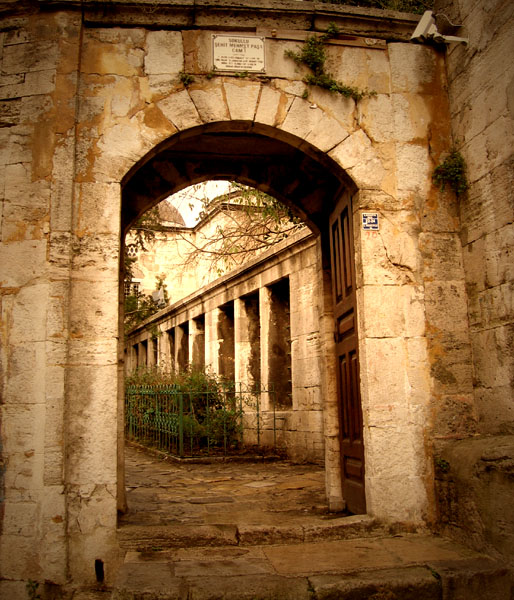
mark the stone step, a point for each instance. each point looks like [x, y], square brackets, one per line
[410, 567]
[161, 537]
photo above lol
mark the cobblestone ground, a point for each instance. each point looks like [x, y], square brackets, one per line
[163, 492]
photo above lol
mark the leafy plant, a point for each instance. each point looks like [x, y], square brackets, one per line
[451, 172]
[32, 587]
[313, 55]
[212, 417]
[185, 78]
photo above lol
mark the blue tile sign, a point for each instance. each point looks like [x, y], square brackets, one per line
[370, 221]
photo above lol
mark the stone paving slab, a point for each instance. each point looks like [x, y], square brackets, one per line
[411, 567]
[261, 531]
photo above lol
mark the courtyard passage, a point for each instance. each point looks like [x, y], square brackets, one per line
[264, 493]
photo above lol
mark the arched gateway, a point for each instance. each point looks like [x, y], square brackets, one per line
[108, 129]
[318, 190]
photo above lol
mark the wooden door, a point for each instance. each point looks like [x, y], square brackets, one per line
[348, 382]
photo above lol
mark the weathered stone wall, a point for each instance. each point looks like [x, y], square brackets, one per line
[86, 101]
[39, 58]
[481, 87]
[475, 484]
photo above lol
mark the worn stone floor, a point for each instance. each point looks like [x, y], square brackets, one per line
[163, 492]
[261, 531]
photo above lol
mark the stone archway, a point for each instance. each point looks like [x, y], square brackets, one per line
[279, 163]
[328, 149]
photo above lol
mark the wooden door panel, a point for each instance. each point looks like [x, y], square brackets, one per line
[344, 298]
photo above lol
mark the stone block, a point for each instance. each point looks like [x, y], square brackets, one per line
[164, 52]
[21, 427]
[122, 141]
[180, 110]
[418, 373]
[412, 117]
[61, 186]
[389, 256]
[445, 306]
[383, 378]
[450, 363]
[355, 148]
[26, 368]
[441, 213]
[98, 208]
[413, 169]
[413, 67]
[365, 69]
[209, 101]
[28, 315]
[96, 351]
[92, 399]
[106, 57]
[39, 82]
[488, 206]
[21, 190]
[493, 355]
[442, 256]
[96, 258]
[33, 56]
[307, 398]
[393, 311]
[277, 65]
[24, 476]
[488, 261]
[486, 151]
[242, 99]
[492, 307]
[14, 590]
[327, 132]
[377, 118]
[19, 518]
[398, 498]
[495, 409]
[19, 557]
[272, 106]
[454, 416]
[22, 223]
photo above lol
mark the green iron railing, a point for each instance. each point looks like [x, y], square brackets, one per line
[199, 422]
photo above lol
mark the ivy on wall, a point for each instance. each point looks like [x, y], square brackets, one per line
[313, 55]
[451, 172]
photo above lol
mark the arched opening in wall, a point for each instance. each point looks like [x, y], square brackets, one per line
[318, 192]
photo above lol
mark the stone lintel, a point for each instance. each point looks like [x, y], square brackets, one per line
[243, 15]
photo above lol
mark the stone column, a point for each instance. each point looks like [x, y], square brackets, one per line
[151, 347]
[265, 322]
[211, 341]
[197, 341]
[182, 346]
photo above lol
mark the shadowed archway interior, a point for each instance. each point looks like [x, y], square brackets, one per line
[278, 163]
